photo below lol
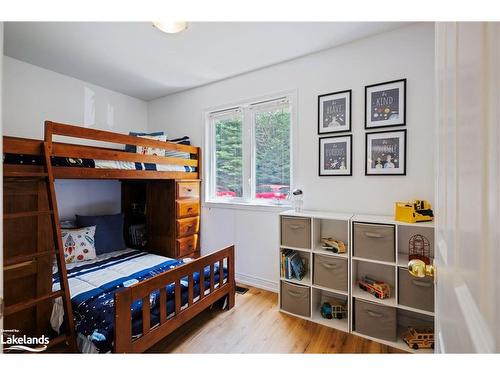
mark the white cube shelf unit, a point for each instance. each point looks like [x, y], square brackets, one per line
[377, 246]
[302, 232]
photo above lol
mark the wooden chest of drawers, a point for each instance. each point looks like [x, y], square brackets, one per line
[171, 215]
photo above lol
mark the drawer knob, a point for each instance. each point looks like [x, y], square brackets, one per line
[373, 235]
[295, 226]
[418, 268]
[189, 190]
[190, 208]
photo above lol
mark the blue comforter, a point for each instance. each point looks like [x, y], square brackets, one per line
[94, 283]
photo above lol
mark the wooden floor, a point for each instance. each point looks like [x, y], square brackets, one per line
[255, 325]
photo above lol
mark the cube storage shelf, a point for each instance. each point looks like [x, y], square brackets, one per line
[302, 232]
[377, 246]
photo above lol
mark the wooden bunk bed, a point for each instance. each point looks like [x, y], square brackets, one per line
[220, 263]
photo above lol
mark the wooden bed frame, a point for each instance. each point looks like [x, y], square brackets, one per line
[25, 146]
[123, 340]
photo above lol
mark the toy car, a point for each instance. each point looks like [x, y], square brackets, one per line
[337, 310]
[419, 338]
[379, 289]
[333, 245]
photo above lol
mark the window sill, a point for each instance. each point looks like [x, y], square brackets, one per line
[248, 206]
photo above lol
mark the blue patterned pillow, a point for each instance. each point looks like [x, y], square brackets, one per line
[109, 231]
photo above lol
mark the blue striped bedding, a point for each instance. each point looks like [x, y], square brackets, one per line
[93, 285]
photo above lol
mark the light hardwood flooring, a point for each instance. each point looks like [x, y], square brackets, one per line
[255, 325]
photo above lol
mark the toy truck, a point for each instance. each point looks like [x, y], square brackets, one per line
[336, 246]
[379, 289]
[419, 338]
[335, 310]
[413, 212]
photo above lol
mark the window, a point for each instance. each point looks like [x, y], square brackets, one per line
[249, 153]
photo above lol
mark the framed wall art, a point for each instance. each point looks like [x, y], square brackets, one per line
[335, 156]
[385, 104]
[334, 112]
[385, 153]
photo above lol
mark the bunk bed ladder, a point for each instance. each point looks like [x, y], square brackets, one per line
[14, 263]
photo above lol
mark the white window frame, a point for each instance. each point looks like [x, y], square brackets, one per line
[247, 108]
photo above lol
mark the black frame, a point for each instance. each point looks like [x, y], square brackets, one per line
[366, 101]
[366, 153]
[350, 111]
[320, 161]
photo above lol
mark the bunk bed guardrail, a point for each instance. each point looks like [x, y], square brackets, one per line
[124, 342]
[71, 150]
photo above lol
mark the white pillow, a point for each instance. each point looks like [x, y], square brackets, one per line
[78, 244]
[145, 150]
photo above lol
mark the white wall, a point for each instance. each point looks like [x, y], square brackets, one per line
[33, 95]
[403, 53]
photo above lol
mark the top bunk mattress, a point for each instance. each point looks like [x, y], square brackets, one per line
[20, 159]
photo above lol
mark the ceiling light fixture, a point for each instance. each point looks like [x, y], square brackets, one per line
[170, 27]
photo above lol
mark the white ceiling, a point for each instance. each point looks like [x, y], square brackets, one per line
[136, 59]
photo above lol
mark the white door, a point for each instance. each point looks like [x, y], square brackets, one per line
[468, 187]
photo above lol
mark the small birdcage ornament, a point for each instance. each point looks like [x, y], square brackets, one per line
[419, 248]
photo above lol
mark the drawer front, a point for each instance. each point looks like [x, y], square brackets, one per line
[375, 320]
[188, 226]
[416, 292]
[296, 232]
[187, 245]
[187, 208]
[374, 241]
[330, 272]
[296, 299]
[188, 189]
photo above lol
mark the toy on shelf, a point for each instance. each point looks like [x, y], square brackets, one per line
[417, 211]
[419, 338]
[333, 310]
[419, 248]
[379, 289]
[336, 246]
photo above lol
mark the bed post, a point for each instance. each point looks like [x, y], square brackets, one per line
[232, 289]
[123, 321]
[48, 134]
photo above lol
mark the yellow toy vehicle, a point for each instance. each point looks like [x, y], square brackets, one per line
[336, 246]
[414, 212]
[419, 338]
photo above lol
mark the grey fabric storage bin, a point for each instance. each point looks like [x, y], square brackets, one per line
[296, 298]
[375, 320]
[296, 232]
[330, 272]
[416, 292]
[374, 241]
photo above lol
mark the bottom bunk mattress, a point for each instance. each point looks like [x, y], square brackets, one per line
[94, 283]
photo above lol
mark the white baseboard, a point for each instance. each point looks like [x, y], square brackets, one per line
[257, 282]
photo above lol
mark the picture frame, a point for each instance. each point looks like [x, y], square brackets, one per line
[334, 112]
[385, 153]
[385, 104]
[335, 156]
